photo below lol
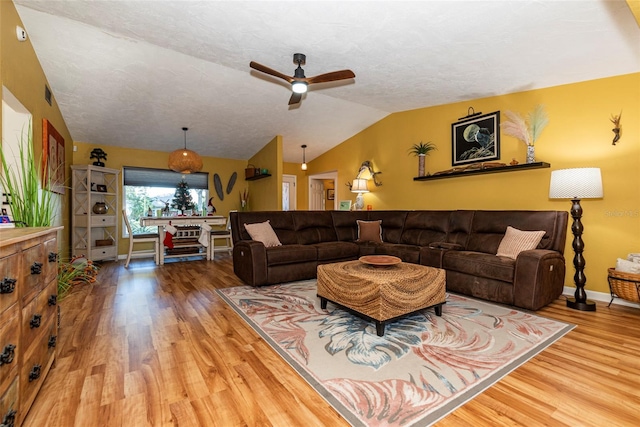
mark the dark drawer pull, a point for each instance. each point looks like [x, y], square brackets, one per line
[9, 419]
[7, 286]
[35, 372]
[36, 268]
[35, 321]
[52, 341]
[53, 256]
[53, 300]
[7, 354]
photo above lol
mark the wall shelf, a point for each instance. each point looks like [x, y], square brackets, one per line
[509, 168]
[253, 178]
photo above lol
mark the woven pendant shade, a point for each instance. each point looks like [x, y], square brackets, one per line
[185, 160]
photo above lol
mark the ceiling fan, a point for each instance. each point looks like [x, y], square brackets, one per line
[299, 82]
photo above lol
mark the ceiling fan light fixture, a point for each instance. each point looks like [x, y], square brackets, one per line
[299, 87]
[184, 160]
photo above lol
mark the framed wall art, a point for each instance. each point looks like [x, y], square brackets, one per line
[345, 205]
[331, 194]
[53, 158]
[476, 139]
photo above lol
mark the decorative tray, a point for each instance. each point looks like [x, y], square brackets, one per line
[380, 260]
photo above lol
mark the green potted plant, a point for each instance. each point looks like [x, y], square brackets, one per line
[30, 204]
[422, 150]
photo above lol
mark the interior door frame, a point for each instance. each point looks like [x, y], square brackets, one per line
[331, 175]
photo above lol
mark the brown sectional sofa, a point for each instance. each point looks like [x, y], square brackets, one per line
[463, 242]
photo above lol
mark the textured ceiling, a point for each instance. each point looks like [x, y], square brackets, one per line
[133, 73]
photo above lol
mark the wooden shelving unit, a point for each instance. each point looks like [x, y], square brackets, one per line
[88, 227]
[255, 177]
[526, 166]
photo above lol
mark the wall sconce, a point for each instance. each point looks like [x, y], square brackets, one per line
[304, 158]
[359, 186]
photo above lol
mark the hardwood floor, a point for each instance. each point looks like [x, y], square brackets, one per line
[156, 346]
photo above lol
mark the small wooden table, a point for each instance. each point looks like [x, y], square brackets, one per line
[161, 221]
[381, 294]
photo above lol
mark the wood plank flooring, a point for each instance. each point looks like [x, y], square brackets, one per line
[156, 346]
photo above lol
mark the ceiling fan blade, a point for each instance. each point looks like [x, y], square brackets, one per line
[270, 71]
[331, 77]
[295, 98]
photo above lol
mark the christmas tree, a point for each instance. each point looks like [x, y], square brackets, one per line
[182, 198]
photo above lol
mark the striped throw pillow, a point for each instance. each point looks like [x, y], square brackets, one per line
[516, 241]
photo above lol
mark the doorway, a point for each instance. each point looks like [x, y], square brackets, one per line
[318, 185]
[289, 187]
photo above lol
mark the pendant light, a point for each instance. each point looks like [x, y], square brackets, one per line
[184, 160]
[304, 159]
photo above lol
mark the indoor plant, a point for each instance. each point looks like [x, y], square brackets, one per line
[422, 150]
[30, 204]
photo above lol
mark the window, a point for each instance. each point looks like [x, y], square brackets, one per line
[154, 189]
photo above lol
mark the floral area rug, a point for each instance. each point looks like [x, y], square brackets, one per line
[423, 367]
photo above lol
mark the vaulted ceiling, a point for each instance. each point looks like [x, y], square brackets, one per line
[133, 73]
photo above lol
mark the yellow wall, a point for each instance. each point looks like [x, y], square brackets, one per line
[117, 157]
[22, 75]
[266, 194]
[578, 135]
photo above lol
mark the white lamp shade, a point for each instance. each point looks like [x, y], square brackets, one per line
[299, 87]
[359, 186]
[577, 183]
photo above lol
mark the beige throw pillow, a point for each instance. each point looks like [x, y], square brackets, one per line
[516, 241]
[370, 231]
[263, 232]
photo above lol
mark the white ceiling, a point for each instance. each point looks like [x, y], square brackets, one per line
[133, 73]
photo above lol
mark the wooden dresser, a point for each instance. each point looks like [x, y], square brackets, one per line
[28, 316]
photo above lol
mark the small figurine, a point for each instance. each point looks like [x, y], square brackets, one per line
[98, 154]
[210, 208]
[616, 127]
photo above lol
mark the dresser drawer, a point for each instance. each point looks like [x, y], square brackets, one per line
[103, 220]
[37, 314]
[32, 272]
[50, 260]
[9, 405]
[9, 345]
[103, 252]
[37, 361]
[9, 280]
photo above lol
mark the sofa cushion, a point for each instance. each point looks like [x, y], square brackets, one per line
[392, 224]
[407, 253]
[290, 254]
[314, 227]
[424, 227]
[262, 232]
[516, 241]
[328, 251]
[480, 264]
[281, 222]
[345, 224]
[370, 231]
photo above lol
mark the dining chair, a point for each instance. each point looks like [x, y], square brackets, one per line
[221, 234]
[141, 238]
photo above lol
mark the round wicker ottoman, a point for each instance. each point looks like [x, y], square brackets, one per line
[381, 293]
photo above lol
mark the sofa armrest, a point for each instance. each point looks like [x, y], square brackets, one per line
[250, 262]
[539, 278]
[432, 255]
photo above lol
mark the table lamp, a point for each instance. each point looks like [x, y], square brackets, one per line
[576, 184]
[359, 186]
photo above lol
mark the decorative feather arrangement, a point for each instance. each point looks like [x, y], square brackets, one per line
[529, 132]
[516, 127]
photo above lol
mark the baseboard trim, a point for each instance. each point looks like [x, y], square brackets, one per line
[600, 296]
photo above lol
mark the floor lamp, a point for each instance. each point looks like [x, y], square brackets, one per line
[576, 184]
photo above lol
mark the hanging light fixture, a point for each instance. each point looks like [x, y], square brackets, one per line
[304, 159]
[184, 160]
